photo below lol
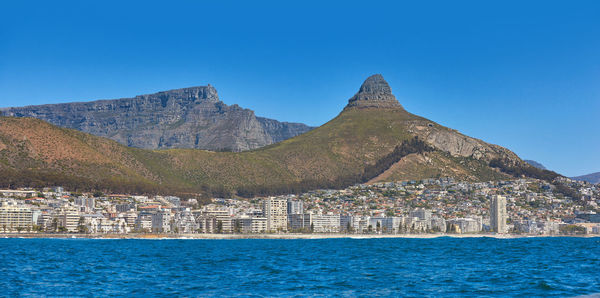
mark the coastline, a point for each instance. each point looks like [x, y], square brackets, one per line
[289, 236]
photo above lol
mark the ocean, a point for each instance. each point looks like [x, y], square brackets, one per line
[322, 267]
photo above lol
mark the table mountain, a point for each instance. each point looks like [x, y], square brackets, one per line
[182, 118]
[373, 139]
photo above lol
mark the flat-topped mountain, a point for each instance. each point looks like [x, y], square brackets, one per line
[373, 139]
[182, 118]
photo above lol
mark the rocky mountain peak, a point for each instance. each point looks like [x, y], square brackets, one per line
[374, 92]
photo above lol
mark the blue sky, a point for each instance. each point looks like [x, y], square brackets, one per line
[522, 75]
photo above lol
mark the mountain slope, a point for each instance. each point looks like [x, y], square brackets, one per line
[182, 118]
[373, 139]
[535, 164]
[593, 178]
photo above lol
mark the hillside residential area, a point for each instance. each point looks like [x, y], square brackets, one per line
[522, 206]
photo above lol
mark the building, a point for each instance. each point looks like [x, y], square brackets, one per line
[215, 219]
[387, 225]
[498, 214]
[588, 216]
[299, 222]
[206, 224]
[422, 214]
[14, 217]
[161, 221]
[17, 193]
[275, 210]
[325, 223]
[349, 223]
[185, 222]
[125, 207]
[46, 221]
[465, 225]
[295, 207]
[88, 203]
[69, 219]
[250, 224]
[175, 201]
[143, 222]
[91, 222]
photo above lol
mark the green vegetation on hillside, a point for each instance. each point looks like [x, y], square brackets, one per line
[360, 144]
[522, 169]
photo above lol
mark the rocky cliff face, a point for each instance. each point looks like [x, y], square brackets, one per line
[182, 118]
[374, 93]
[457, 144]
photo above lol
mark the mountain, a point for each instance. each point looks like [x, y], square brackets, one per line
[182, 118]
[593, 178]
[373, 139]
[535, 164]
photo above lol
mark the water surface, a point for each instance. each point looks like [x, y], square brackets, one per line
[388, 267]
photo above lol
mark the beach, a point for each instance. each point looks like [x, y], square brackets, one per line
[278, 236]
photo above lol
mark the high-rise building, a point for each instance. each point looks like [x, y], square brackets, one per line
[275, 210]
[498, 214]
[295, 207]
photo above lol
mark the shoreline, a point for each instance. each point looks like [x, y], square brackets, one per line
[276, 236]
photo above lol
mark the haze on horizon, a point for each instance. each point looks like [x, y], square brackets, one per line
[520, 75]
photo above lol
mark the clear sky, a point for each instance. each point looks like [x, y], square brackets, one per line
[521, 74]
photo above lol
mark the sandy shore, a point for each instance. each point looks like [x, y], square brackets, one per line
[271, 236]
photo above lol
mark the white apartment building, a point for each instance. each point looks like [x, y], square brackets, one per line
[386, 225]
[498, 214]
[251, 224]
[275, 210]
[69, 219]
[215, 219]
[349, 223]
[185, 222]
[14, 217]
[17, 193]
[295, 206]
[326, 223]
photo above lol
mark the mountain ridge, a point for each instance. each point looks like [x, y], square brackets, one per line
[593, 178]
[363, 143]
[535, 164]
[192, 117]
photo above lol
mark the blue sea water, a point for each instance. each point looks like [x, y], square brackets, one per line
[346, 267]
